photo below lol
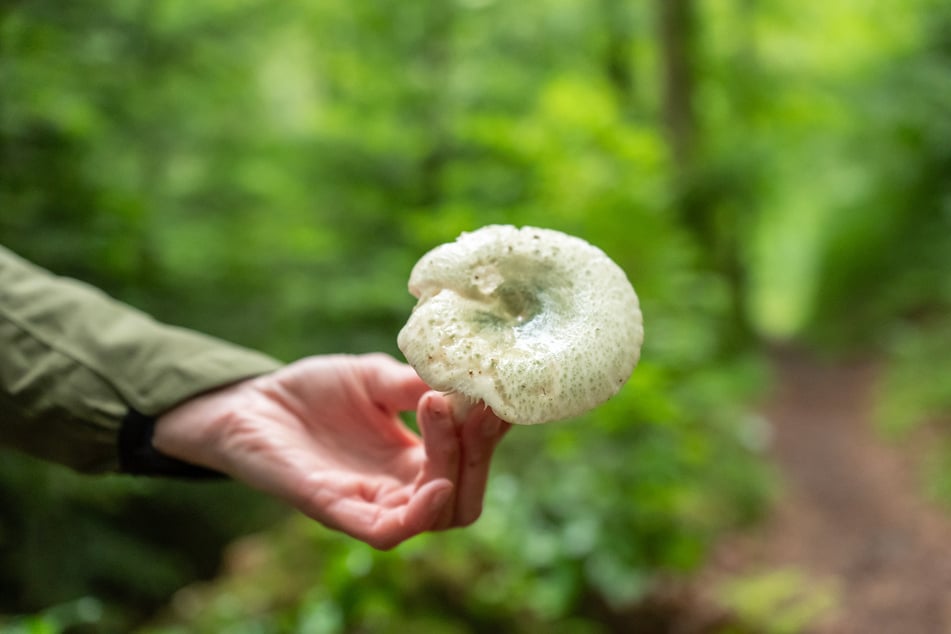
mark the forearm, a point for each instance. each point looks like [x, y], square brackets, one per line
[73, 362]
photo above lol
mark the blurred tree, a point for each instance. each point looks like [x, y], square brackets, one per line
[888, 254]
[618, 54]
[677, 28]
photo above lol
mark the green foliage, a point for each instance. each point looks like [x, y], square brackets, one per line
[578, 525]
[917, 384]
[269, 174]
[804, 108]
[778, 602]
[888, 251]
[79, 615]
[915, 399]
[910, 268]
[853, 230]
[64, 537]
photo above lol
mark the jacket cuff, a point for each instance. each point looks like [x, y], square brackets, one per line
[137, 455]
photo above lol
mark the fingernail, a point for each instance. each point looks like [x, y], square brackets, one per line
[438, 410]
[440, 499]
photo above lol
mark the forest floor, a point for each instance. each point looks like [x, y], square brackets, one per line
[872, 554]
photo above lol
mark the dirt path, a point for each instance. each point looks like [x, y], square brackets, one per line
[852, 511]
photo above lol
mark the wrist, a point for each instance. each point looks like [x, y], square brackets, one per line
[193, 430]
[139, 456]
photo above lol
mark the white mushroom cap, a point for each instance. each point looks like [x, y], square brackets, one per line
[537, 324]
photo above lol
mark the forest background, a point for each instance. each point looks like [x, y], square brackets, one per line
[769, 173]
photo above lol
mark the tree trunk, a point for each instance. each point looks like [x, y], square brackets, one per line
[676, 28]
[618, 53]
[702, 199]
[436, 56]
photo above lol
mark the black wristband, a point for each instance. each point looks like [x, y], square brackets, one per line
[137, 456]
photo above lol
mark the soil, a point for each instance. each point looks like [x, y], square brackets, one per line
[853, 514]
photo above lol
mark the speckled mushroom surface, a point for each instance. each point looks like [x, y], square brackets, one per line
[537, 324]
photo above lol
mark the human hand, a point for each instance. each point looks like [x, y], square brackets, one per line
[324, 434]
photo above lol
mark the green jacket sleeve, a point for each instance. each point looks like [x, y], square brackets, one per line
[74, 361]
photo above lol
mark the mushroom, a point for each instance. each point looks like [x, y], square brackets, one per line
[536, 324]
